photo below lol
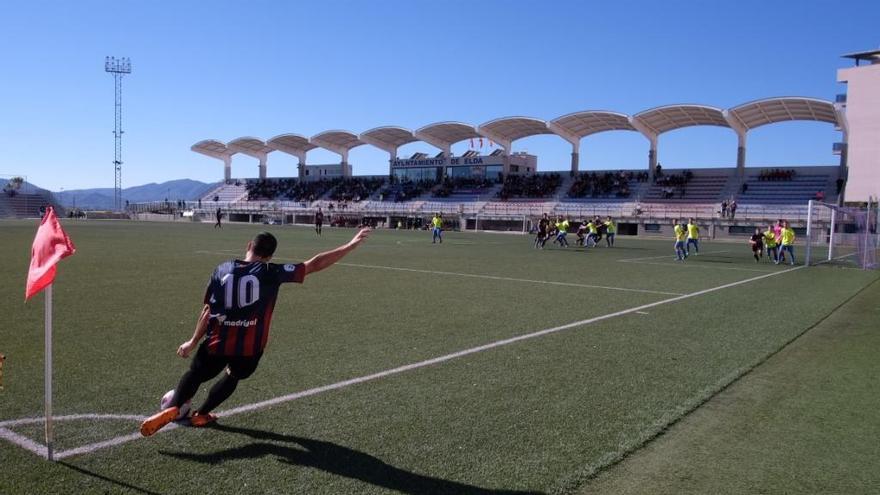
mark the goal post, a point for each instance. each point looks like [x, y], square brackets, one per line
[841, 235]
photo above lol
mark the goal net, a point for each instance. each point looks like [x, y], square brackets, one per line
[842, 235]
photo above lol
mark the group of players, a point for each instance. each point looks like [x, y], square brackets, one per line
[778, 240]
[589, 233]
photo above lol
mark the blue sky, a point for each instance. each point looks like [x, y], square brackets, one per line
[226, 69]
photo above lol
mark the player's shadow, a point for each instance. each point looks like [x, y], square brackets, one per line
[338, 460]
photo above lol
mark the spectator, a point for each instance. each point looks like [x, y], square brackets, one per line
[732, 208]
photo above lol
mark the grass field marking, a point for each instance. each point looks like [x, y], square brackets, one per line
[89, 448]
[24, 442]
[510, 279]
[488, 277]
[692, 265]
[665, 255]
[70, 417]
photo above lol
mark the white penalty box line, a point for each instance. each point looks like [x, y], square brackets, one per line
[92, 447]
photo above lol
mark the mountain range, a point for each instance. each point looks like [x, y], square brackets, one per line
[102, 198]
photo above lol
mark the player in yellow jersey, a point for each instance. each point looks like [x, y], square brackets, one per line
[693, 236]
[787, 243]
[437, 231]
[770, 244]
[680, 234]
[610, 231]
[593, 236]
[562, 225]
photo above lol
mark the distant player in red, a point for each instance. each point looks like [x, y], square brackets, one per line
[235, 321]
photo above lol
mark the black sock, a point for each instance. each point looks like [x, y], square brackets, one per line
[187, 388]
[219, 393]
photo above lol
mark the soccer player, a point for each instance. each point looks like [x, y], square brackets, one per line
[777, 229]
[319, 221]
[680, 234]
[437, 230]
[561, 231]
[787, 243]
[543, 227]
[581, 233]
[219, 215]
[236, 316]
[610, 230]
[757, 243]
[770, 243]
[693, 236]
[593, 236]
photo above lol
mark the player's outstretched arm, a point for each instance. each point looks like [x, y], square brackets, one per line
[327, 258]
[201, 327]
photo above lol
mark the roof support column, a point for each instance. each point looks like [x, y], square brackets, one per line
[263, 158]
[652, 139]
[301, 166]
[575, 142]
[741, 130]
[503, 143]
[227, 168]
[344, 163]
[741, 155]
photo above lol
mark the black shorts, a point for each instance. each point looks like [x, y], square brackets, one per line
[758, 247]
[318, 224]
[210, 365]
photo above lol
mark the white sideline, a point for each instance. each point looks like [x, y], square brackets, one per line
[486, 277]
[92, 447]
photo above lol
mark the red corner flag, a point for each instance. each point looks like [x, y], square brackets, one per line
[51, 245]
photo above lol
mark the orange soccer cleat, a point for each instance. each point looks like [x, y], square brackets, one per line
[198, 420]
[155, 422]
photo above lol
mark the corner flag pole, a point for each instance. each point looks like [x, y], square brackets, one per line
[48, 378]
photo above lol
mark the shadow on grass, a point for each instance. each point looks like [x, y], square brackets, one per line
[338, 460]
[118, 483]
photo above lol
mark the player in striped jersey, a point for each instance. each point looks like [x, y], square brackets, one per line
[235, 322]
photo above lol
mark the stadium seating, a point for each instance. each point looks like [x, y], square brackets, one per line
[24, 205]
[801, 188]
[704, 186]
[230, 192]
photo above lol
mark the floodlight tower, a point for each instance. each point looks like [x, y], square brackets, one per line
[118, 67]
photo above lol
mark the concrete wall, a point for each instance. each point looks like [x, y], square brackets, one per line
[863, 117]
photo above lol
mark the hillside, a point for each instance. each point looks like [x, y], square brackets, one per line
[100, 198]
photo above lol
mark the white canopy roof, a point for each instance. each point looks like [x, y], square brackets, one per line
[294, 144]
[337, 141]
[445, 134]
[509, 129]
[388, 137]
[212, 148]
[771, 110]
[588, 122]
[668, 118]
[250, 146]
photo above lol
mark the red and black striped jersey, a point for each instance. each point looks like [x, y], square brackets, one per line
[241, 296]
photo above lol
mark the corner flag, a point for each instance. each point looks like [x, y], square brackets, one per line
[51, 245]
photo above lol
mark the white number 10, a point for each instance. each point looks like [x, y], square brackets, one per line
[248, 290]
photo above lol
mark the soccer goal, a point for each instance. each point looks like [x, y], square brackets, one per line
[842, 235]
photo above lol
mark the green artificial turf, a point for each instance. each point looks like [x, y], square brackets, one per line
[806, 421]
[540, 415]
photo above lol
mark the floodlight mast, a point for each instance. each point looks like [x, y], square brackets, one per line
[118, 67]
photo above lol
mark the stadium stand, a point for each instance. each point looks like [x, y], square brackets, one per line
[26, 205]
[540, 185]
[229, 192]
[687, 186]
[793, 186]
